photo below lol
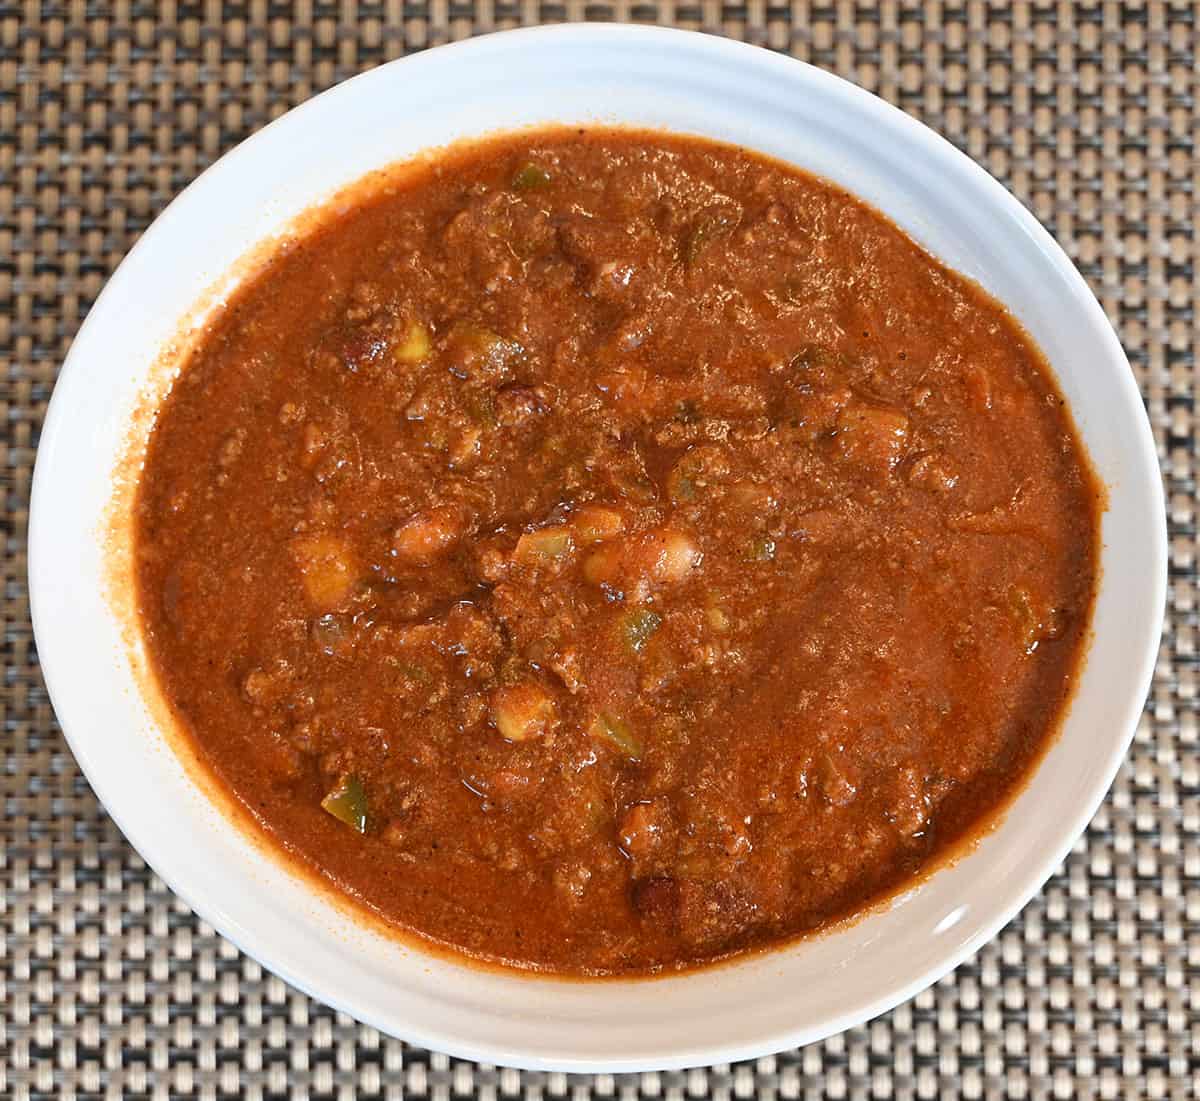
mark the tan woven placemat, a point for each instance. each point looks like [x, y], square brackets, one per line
[1088, 112]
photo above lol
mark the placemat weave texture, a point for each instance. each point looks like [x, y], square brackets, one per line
[1088, 112]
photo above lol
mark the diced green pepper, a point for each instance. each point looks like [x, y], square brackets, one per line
[530, 177]
[347, 802]
[543, 545]
[418, 674]
[636, 487]
[686, 412]
[482, 407]
[791, 291]
[682, 488]
[704, 231]
[617, 732]
[681, 482]
[717, 618]
[810, 358]
[1021, 607]
[637, 625]
[760, 549]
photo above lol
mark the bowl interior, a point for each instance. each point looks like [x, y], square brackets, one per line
[687, 83]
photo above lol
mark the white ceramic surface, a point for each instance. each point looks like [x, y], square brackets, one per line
[684, 82]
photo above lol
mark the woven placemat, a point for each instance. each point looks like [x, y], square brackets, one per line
[1088, 112]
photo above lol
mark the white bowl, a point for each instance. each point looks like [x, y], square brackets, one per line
[684, 82]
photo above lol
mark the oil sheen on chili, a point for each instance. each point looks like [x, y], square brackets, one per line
[603, 552]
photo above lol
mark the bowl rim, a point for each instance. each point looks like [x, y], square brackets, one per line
[932, 145]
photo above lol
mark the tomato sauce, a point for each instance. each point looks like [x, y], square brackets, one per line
[603, 552]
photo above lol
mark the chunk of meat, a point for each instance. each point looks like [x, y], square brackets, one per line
[836, 779]
[643, 828]
[932, 472]
[1034, 620]
[1017, 515]
[566, 665]
[909, 810]
[872, 437]
[712, 913]
[466, 448]
[656, 901]
[704, 914]
[602, 255]
[469, 632]
[517, 404]
[597, 523]
[979, 387]
[427, 535]
[572, 879]
[629, 390]
[266, 685]
[826, 525]
[698, 468]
